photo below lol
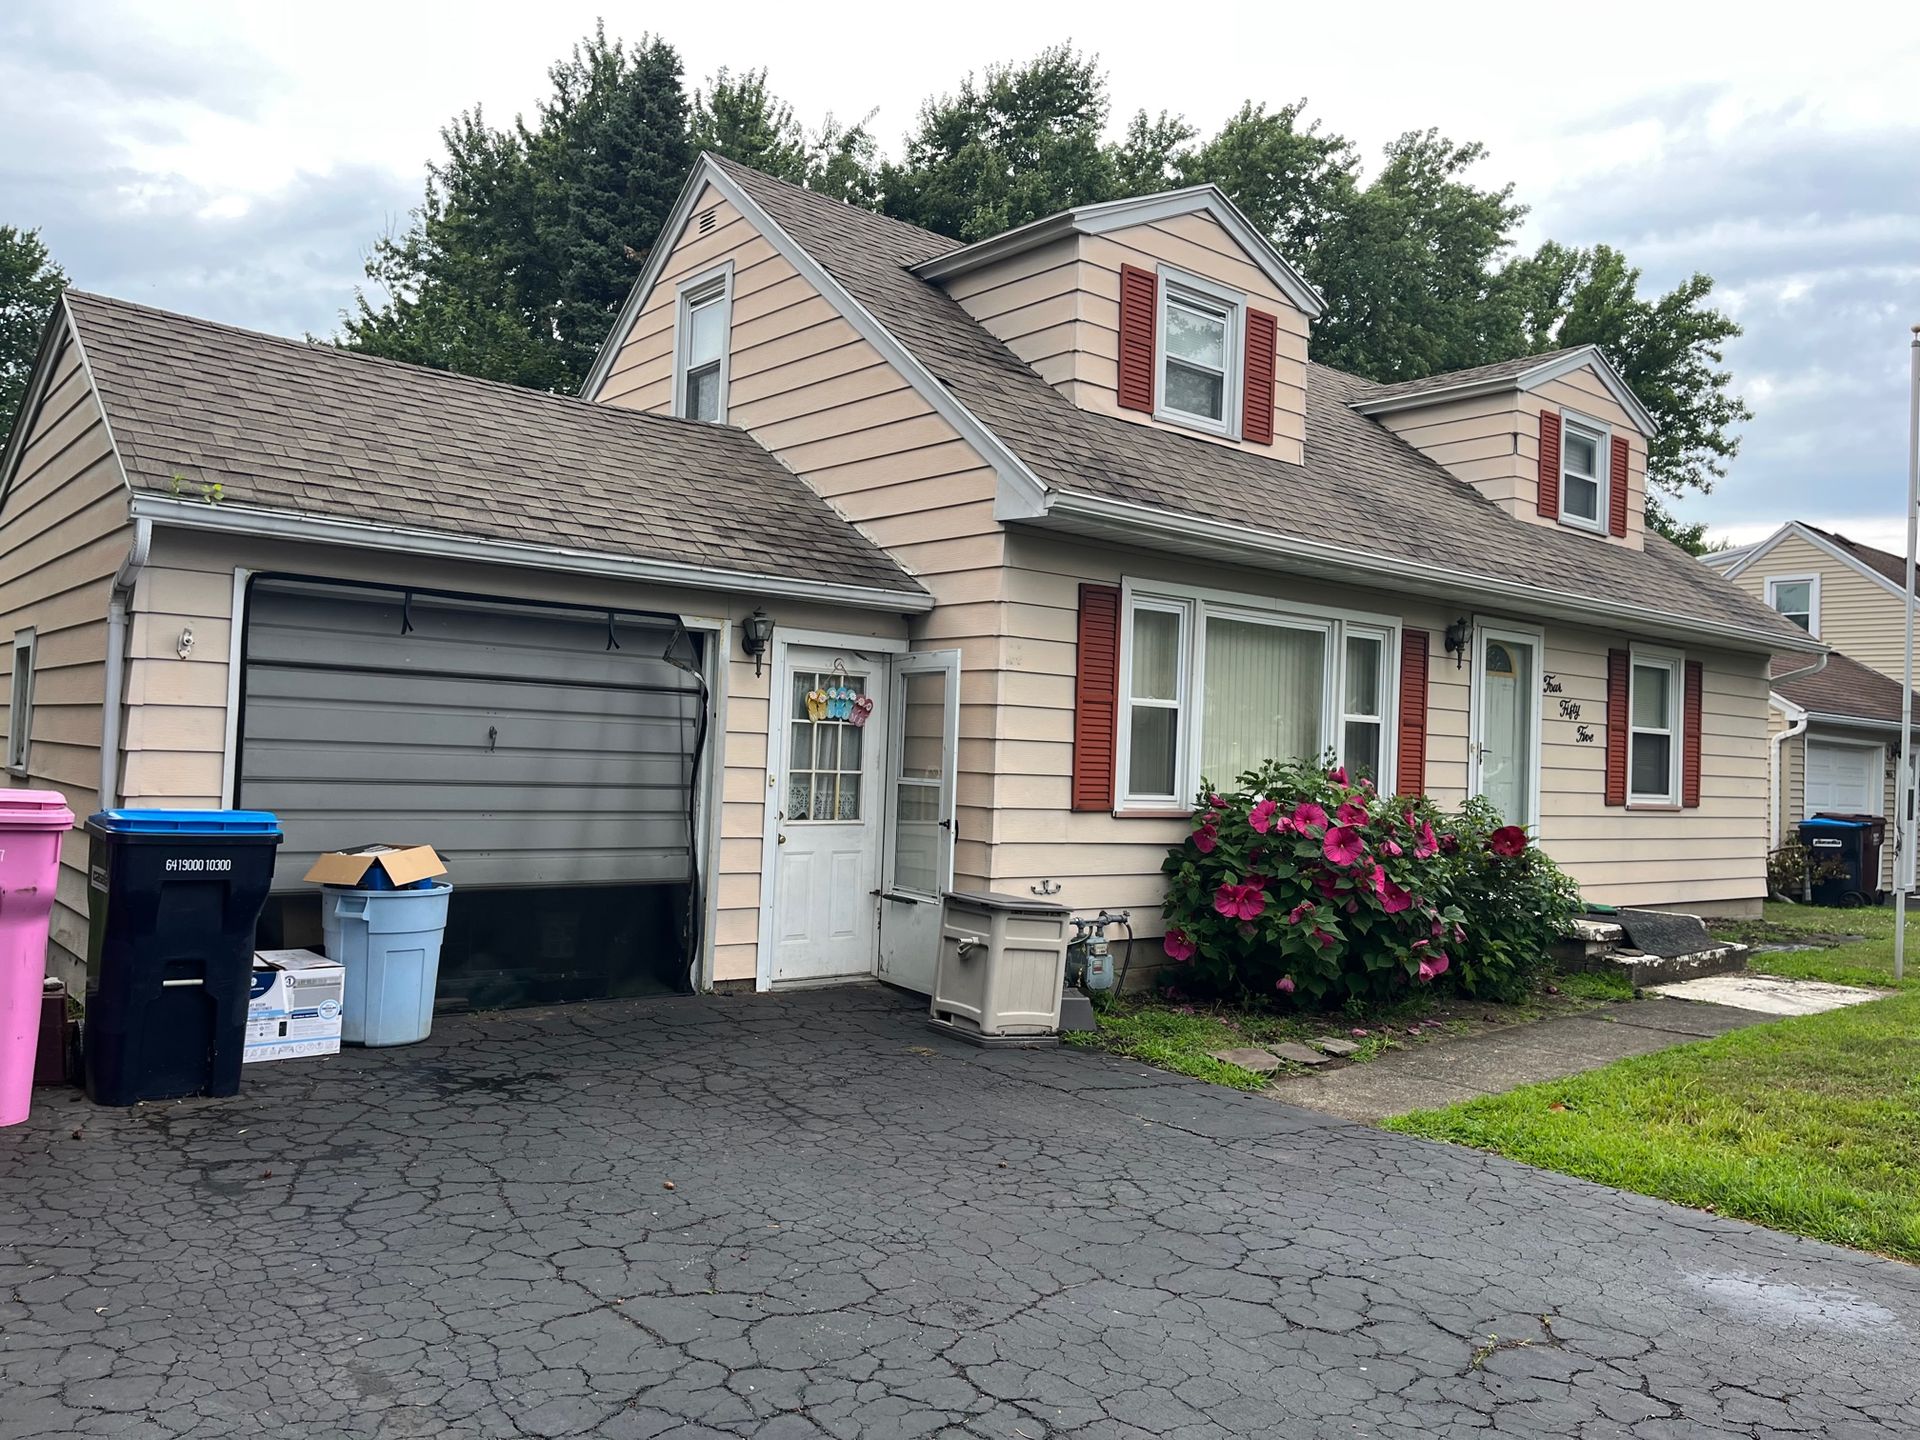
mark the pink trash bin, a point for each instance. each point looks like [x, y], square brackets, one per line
[31, 824]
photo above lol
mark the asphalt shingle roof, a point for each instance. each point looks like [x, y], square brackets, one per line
[1361, 488]
[1841, 687]
[324, 432]
[1446, 379]
[1884, 562]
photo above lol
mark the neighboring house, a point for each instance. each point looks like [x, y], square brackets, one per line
[1068, 517]
[1836, 730]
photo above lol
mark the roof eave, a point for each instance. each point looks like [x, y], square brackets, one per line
[1111, 215]
[261, 522]
[1524, 381]
[1127, 519]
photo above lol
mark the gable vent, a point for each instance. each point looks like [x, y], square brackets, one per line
[707, 220]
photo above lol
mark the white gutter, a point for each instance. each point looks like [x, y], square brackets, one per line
[118, 603]
[1796, 727]
[230, 519]
[1435, 579]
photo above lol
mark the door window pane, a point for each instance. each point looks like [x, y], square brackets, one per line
[916, 837]
[1265, 693]
[924, 714]
[824, 751]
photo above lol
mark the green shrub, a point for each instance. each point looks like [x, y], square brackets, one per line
[1302, 883]
[1515, 901]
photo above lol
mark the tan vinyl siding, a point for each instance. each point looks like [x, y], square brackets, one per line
[838, 414]
[1859, 616]
[64, 531]
[1058, 308]
[1710, 856]
[176, 734]
[1493, 443]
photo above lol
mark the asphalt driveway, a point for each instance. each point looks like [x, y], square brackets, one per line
[872, 1231]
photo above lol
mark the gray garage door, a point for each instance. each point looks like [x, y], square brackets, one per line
[511, 739]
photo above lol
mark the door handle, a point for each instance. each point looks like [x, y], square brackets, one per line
[947, 824]
[780, 839]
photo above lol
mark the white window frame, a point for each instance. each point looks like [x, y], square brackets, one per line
[1601, 434]
[20, 702]
[713, 286]
[1675, 664]
[1812, 582]
[1208, 293]
[1195, 605]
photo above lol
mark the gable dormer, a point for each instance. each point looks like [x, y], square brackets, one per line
[1170, 310]
[1557, 439]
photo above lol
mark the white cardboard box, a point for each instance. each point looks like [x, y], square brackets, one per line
[294, 1007]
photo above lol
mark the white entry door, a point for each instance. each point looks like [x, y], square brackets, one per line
[826, 874]
[917, 869]
[1506, 739]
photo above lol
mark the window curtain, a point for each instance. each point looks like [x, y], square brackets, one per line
[1265, 686]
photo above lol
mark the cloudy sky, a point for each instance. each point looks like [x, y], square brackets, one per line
[237, 160]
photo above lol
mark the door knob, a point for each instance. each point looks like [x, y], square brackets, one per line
[780, 839]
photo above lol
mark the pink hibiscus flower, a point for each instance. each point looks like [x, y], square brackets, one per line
[1428, 845]
[1507, 841]
[1429, 969]
[1352, 813]
[1205, 838]
[1300, 912]
[1321, 938]
[1178, 945]
[1338, 774]
[1240, 902]
[1392, 846]
[1343, 846]
[1325, 884]
[1392, 898]
[1261, 816]
[1284, 984]
[1217, 801]
[1308, 816]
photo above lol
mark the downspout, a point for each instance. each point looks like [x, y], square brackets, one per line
[119, 605]
[1797, 728]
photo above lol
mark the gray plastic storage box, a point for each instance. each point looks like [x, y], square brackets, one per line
[1003, 961]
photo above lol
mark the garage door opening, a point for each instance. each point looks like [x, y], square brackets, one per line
[551, 754]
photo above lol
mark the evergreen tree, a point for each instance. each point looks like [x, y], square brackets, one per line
[30, 285]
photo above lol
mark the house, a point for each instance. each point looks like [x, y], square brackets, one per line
[1835, 728]
[868, 565]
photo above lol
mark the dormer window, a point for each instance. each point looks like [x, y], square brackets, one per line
[1583, 474]
[1200, 348]
[700, 345]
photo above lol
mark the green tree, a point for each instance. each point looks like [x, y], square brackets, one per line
[1291, 178]
[739, 117]
[30, 284]
[529, 238]
[1021, 143]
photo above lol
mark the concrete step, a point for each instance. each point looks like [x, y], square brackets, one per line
[1645, 970]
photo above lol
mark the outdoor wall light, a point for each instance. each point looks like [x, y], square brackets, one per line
[183, 647]
[756, 633]
[1459, 636]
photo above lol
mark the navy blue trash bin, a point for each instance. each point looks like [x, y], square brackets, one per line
[174, 896]
[1846, 848]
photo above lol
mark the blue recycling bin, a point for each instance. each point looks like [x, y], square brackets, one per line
[173, 898]
[1845, 853]
[389, 943]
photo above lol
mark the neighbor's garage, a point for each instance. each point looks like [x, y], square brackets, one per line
[1843, 779]
[548, 753]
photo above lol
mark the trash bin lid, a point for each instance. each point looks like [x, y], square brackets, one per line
[34, 810]
[1000, 900]
[1833, 822]
[184, 822]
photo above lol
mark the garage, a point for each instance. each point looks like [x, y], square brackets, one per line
[549, 753]
[1843, 779]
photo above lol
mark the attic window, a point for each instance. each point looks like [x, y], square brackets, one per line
[1583, 474]
[1200, 346]
[700, 345]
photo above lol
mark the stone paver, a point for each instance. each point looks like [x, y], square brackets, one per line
[1248, 1057]
[1445, 1072]
[1770, 994]
[874, 1232]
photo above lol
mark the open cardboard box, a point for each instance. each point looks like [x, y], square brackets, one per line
[403, 864]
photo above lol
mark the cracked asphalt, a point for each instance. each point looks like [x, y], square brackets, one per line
[873, 1231]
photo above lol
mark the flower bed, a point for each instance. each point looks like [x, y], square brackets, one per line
[1305, 884]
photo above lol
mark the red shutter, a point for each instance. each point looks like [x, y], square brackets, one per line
[1256, 405]
[1096, 690]
[1617, 489]
[1550, 464]
[1138, 292]
[1690, 742]
[1411, 764]
[1619, 671]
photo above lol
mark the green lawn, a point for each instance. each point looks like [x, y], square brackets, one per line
[1869, 962]
[1810, 1125]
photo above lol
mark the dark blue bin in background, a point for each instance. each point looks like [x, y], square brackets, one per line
[174, 896]
[1844, 852]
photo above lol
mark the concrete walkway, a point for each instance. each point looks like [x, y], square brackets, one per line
[1445, 1072]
